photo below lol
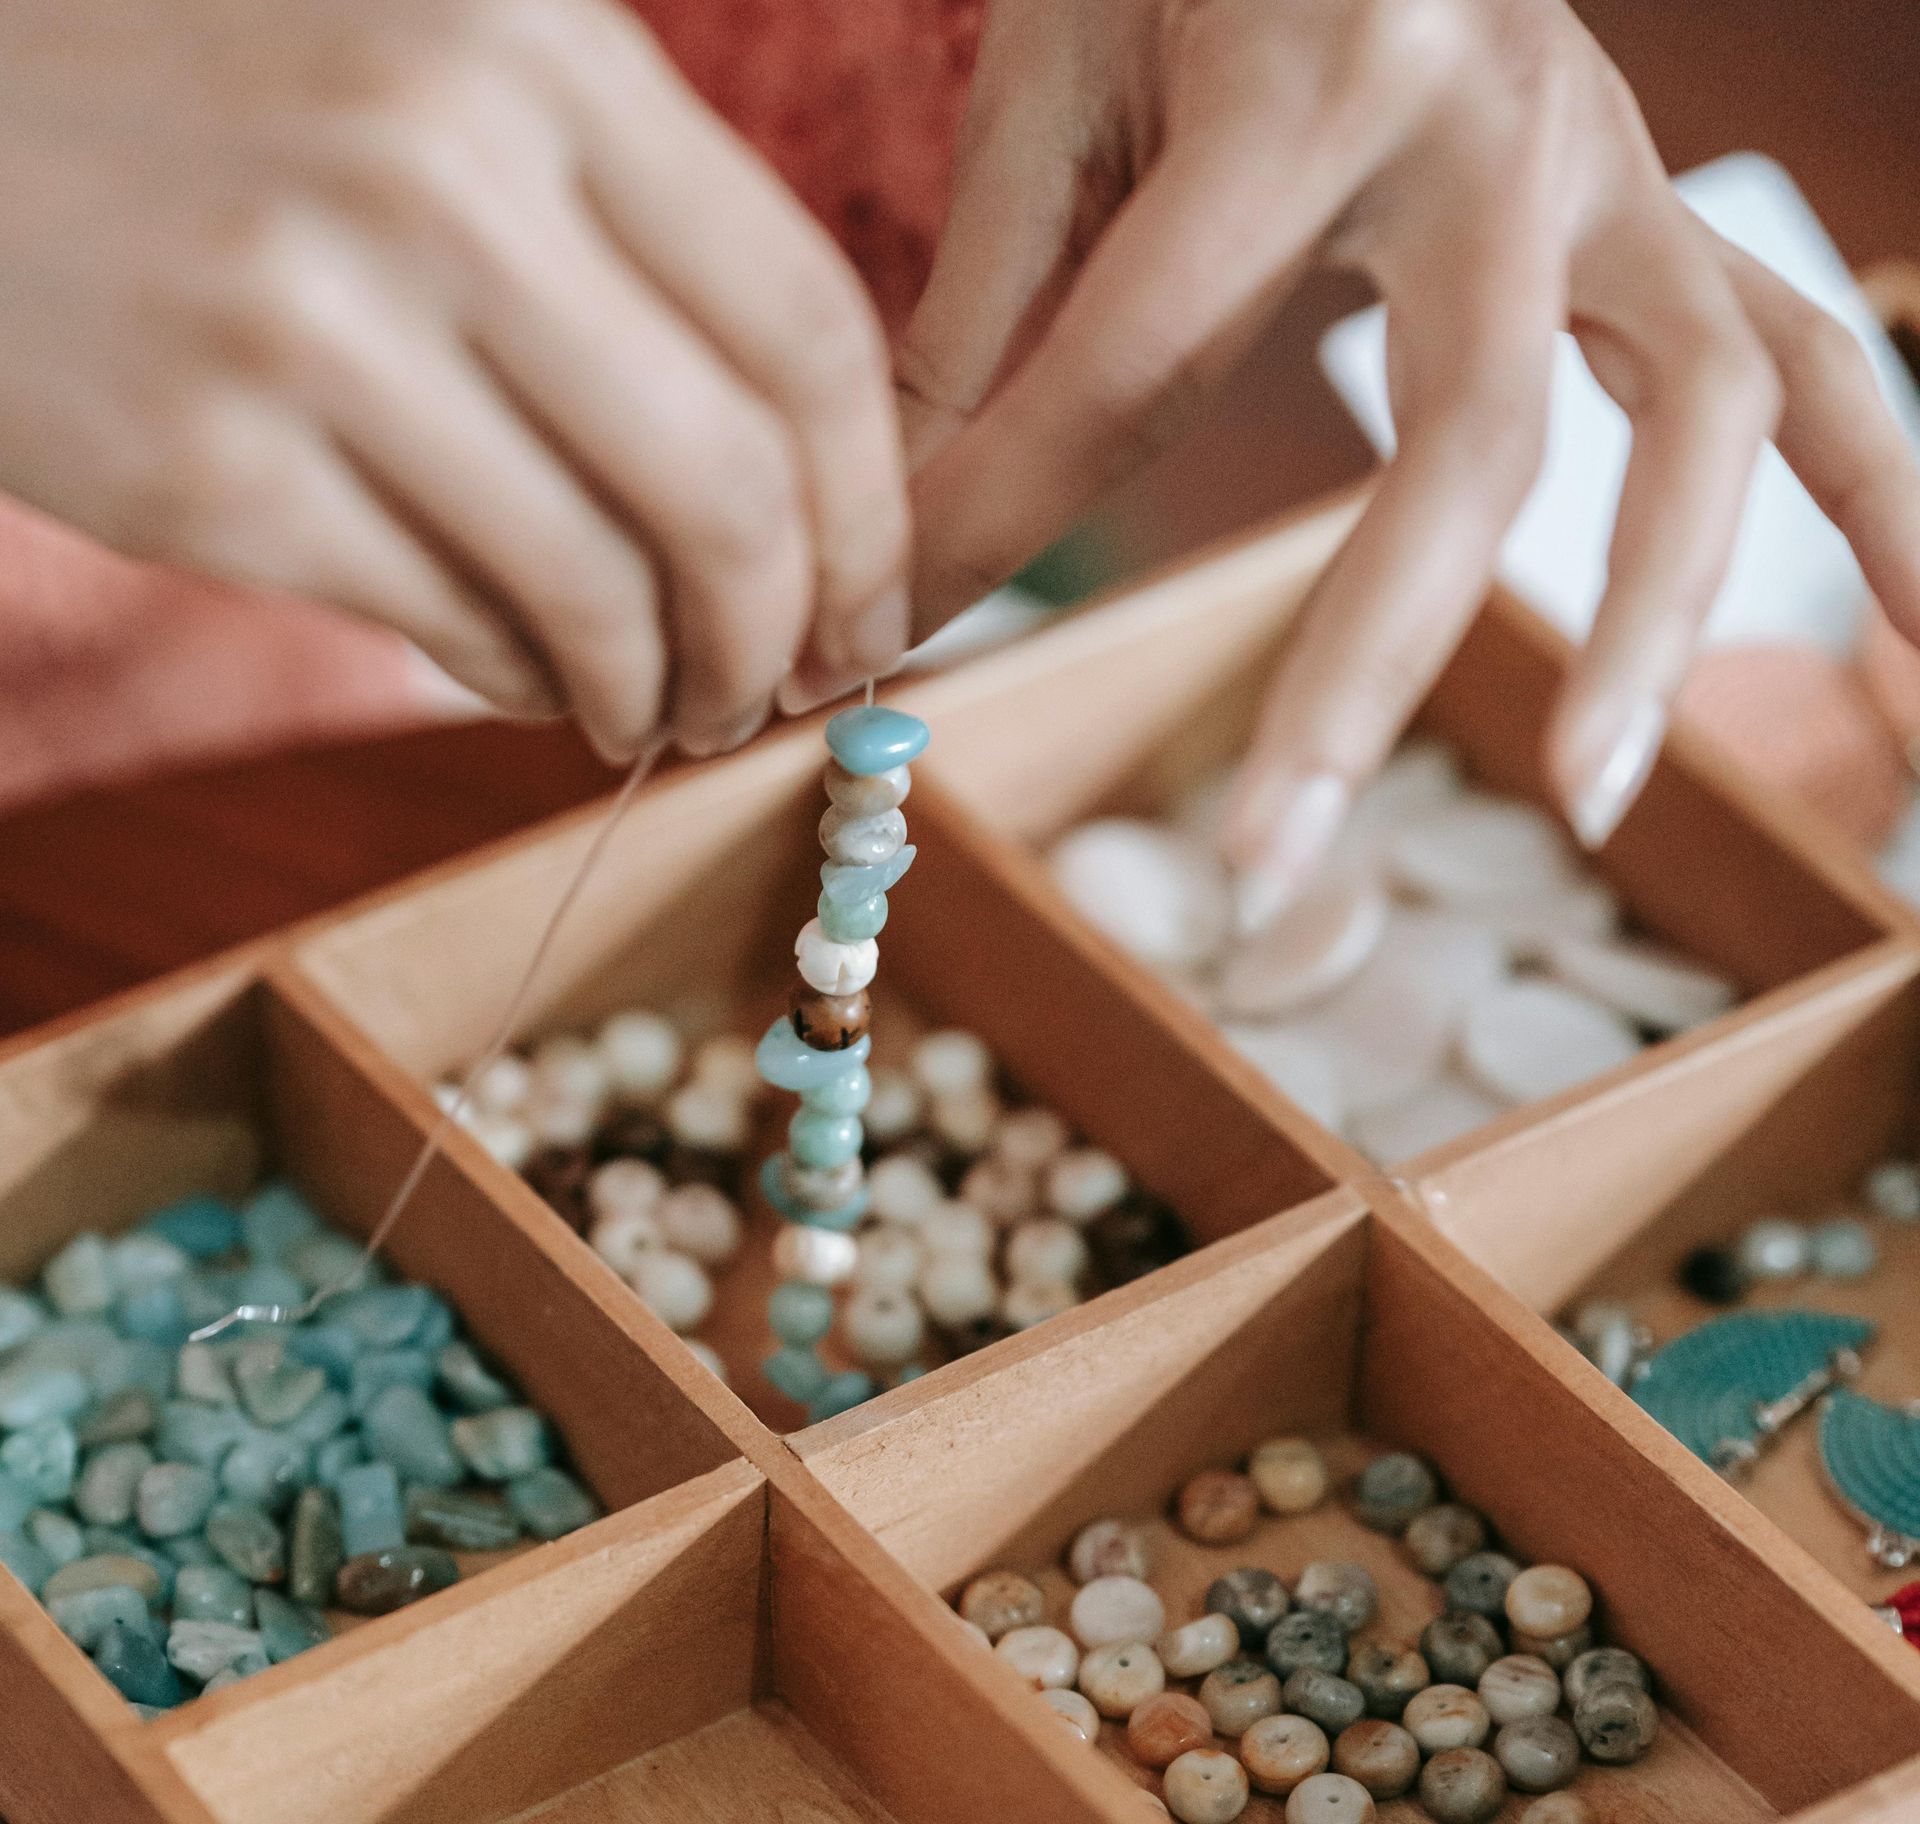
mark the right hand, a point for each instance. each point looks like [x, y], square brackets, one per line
[464, 315]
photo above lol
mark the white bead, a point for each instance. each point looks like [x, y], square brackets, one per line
[641, 1051]
[1002, 1192]
[1893, 1189]
[701, 1220]
[1652, 986]
[1029, 1138]
[725, 1062]
[1033, 1301]
[621, 1237]
[508, 1140]
[674, 1287]
[958, 1289]
[822, 1257]
[558, 1119]
[861, 791]
[1084, 1183]
[625, 1187]
[890, 1257]
[709, 1358]
[1044, 1657]
[708, 1117]
[884, 1329]
[1320, 942]
[568, 1066]
[1111, 1609]
[1047, 1250]
[830, 968]
[862, 841]
[957, 1228]
[503, 1087]
[1532, 1038]
[446, 1098]
[965, 1118]
[1447, 1108]
[896, 1107]
[1304, 1069]
[1075, 1711]
[1481, 848]
[1774, 1249]
[901, 1188]
[1153, 892]
[951, 1061]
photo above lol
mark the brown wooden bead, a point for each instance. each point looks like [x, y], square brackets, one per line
[1165, 1727]
[1217, 1507]
[830, 1022]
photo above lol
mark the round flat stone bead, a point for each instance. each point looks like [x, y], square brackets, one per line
[1616, 1723]
[1558, 1650]
[958, 1290]
[1166, 1726]
[1239, 1694]
[1328, 1699]
[1046, 1658]
[1388, 1675]
[800, 1313]
[822, 1257]
[997, 1602]
[847, 1094]
[1194, 1650]
[1537, 1753]
[1330, 1798]
[1110, 1609]
[1252, 1599]
[865, 840]
[1084, 1182]
[818, 1141]
[830, 1022]
[1604, 1666]
[1548, 1600]
[1892, 1188]
[1558, 1808]
[1307, 1638]
[1446, 1716]
[872, 738]
[1279, 1752]
[1110, 1548]
[1345, 1593]
[1843, 1248]
[377, 1583]
[786, 1062]
[797, 1372]
[1075, 1711]
[867, 794]
[1459, 1647]
[1478, 1583]
[1119, 1676]
[1438, 1538]
[1519, 1686]
[884, 1328]
[674, 1287]
[1775, 1249]
[1205, 1786]
[1392, 1489]
[1217, 1507]
[1462, 1786]
[1380, 1756]
[1289, 1474]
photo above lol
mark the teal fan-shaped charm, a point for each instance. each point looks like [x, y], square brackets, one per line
[1726, 1387]
[1872, 1454]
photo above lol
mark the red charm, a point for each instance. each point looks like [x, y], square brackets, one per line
[1906, 1604]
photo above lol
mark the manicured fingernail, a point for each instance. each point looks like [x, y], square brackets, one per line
[1608, 793]
[1281, 836]
[796, 699]
[879, 636]
[708, 742]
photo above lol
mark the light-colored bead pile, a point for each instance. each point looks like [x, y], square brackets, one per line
[1455, 958]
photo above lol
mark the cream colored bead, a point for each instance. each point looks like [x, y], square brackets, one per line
[1002, 1192]
[1290, 1474]
[997, 1602]
[1518, 1686]
[641, 1052]
[1109, 1548]
[822, 1257]
[862, 840]
[1205, 1786]
[1330, 1798]
[509, 1140]
[1279, 1752]
[1446, 1716]
[896, 1107]
[958, 1289]
[710, 1118]
[957, 1228]
[1029, 1138]
[560, 1120]
[1548, 1600]
[865, 794]
[831, 968]
[626, 1187]
[1047, 1249]
[1120, 1676]
[674, 1287]
[1032, 1301]
[1047, 1659]
[1113, 1609]
[503, 1087]
[567, 1065]
[901, 1188]
[951, 1062]
[621, 1238]
[890, 1257]
[726, 1062]
[1084, 1183]
[708, 1357]
[884, 1329]
[1198, 1648]
[964, 1118]
[1075, 1711]
[701, 1220]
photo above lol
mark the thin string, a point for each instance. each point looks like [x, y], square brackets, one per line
[454, 1110]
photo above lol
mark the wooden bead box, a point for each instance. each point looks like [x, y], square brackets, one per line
[758, 1629]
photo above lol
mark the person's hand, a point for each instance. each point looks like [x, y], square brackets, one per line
[465, 315]
[1141, 181]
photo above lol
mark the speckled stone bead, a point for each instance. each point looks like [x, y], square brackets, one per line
[1537, 1753]
[862, 841]
[1616, 1723]
[1558, 1650]
[1346, 1593]
[1446, 1716]
[1239, 1693]
[1307, 1638]
[1075, 1711]
[1459, 1647]
[1197, 1648]
[884, 1328]
[1462, 1786]
[1439, 1537]
[1392, 1489]
[1387, 1674]
[1604, 1666]
[1046, 1658]
[1166, 1726]
[872, 739]
[1289, 1474]
[1379, 1755]
[1324, 1697]
[1279, 1752]
[1548, 1600]
[1217, 1507]
[380, 1582]
[1330, 1798]
[1116, 1609]
[1519, 1686]
[867, 794]
[1558, 1808]
[1478, 1583]
[1205, 1786]
[1109, 1548]
[997, 1602]
[1253, 1599]
[829, 1022]
[1120, 1676]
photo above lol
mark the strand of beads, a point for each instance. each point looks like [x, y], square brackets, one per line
[819, 1051]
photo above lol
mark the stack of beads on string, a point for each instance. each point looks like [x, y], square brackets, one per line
[819, 1051]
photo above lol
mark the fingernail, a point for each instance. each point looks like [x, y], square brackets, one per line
[705, 743]
[879, 636]
[1282, 835]
[796, 699]
[1607, 796]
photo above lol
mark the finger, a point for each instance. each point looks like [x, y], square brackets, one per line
[715, 231]
[1472, 350]
[1665, 334]
[1838, 434]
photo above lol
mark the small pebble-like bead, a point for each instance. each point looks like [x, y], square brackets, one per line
[1519, 1686]
[884, 1328]
[895, 1107]
[1110, 1609]
[1714, 1275]
[1331, 1701]
[315, 1546]
[1380, 1756]
[1558, 1808]
[844, 1391]
[1205, 1786]
[725, 1062]
[1387, 1674]
[1330, 1798]
[1083, 1182]
[871, 738]
[203, 1648]
[1893, 1190]
[1477, 1585]
[1217, 1507]
[1279, 1752]
[674, 1287]
[862, 840]
[1110, 1548]
[1239, 1693]
[1446, 1716]
[1604, 1666]
[963, 1121]
[958, 1289]
[133, 1663]
[1027, 1139]
[830, 1022]
[502, 1444]
[460, 1520]
[103, 1570]
[1392, 1489]
[288, 1629]
[174, 1499]
[625, 1189]
[1558, 1650]
[1459, 1647]
[1843, 1248]
[702, 1221]
[997, 1602]
[567, 1066]
[86, 1615]
[29, 1394]
[1044, 1657]
[1548, 1600]
[786, 1063]
[890, 1257]
[1075, 1711]
[709, 1117]
[43, 1459]
[957, 1228]
[1616, 1723]
[79, 1279]
[1006, 1195]
[952, 1062]
[1537, 1753]
[821, 1257]
[380, 1582]
[1119, 1676]
[1774, 1249]
[1032, 1301]
[847, 1094]
[797, 1372]
[1307, 1638]
[1197, 1648]
[1289, 1474]
[834, 969]
[641, 1052]
[800, 1313]
[867, 794]
[1252, 1599]
[901, 1188]
[248, 1541]
[1462, 1786]
[1166, 1726]
[1344, 1592]
[1437, 1539]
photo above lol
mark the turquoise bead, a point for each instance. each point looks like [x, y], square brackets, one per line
[844, 1095]
[42, 1459]
[21, 1315]
[798, 1373]
[274, 1390]
[248, 1541]
[549, 1503]
[56, 1534]
[288, 1628]
[29, 1395]
[85, 1616]
[155, 1314]
[912, 1372]
[268, 1284]
[800, 1314]
[79, 1279]
[788, 1062]
[383, 1317]
[25, 1560]
[502, 1445]
[823, 1140]
[324, 1260]
[847, 883]
[205, 1649]
[371, 1517]
[460, 1519]
[174, 1499]
[320, 1420]
[211, 1593]
[335, 1457]
[847, 922]
[773, 1188]
[137, 1668]
[188, 1554]
[273, 1219]
[201, 1226]
[841, 1394]
[332, 1348]
[192, 1433]
[872, 738]
[403, 1427]
[378, 1369]
[17, 1501]
[267, 1470]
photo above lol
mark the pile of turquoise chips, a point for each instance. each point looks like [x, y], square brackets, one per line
[187, 1512]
